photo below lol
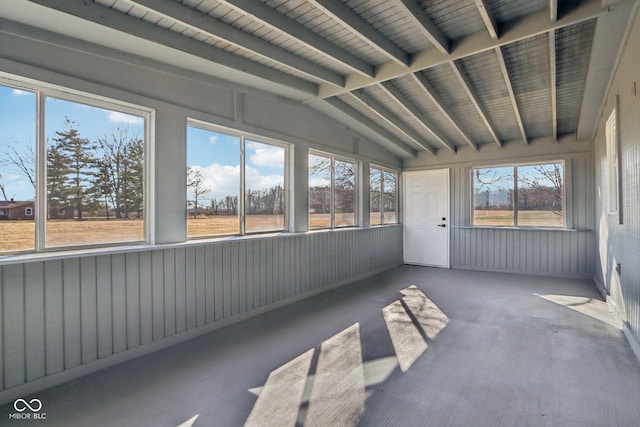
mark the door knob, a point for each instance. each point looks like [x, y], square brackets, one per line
[442, 225]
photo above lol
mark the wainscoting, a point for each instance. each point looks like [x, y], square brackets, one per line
[62, 318]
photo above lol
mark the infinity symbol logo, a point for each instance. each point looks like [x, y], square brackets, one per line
[21, 405]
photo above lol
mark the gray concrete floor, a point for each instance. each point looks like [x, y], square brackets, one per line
[510, 351]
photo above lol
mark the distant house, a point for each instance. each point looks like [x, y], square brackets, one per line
[64, 213]
[11, 210]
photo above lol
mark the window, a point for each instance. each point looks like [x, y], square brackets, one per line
[613, 167]
[522, 195]
[383, 196]
[86, 159]
[332, 191]
[217, 176]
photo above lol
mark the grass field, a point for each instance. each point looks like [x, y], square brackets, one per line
[19, 235]
[526, 218]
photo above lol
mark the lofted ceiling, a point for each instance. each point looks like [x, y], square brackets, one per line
[414, 75]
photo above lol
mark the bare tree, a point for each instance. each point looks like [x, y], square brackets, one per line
[196, 184]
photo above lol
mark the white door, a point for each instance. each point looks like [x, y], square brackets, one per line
[426, 218]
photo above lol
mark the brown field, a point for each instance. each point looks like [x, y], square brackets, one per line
[531, 218]
[18, 236]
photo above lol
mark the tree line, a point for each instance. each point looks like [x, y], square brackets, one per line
[268, 201]
[88, 178]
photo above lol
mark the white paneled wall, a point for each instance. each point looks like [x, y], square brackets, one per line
[562, 253]
[61, 315]
[619, 243]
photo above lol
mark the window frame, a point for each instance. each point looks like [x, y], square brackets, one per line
[43, 91]
[332, 196]
[244, 137]
[515, 167]
[384, 170]
[612, 155]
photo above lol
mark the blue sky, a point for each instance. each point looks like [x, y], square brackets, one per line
[215, 154]
[18, 130]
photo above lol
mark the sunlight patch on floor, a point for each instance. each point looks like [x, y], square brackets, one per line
[405, 337]
[281, 395]
[593, 308]
[335, 394]
[190, 422]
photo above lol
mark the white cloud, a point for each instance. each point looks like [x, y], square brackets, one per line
[19, 92]
[222, 180]
[118, 117]
[256, 181]
[213, 139]
[266, 155]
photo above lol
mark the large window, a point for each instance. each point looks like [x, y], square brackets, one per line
[522, 195]
[72, 172]
[217, 176]
[383, 205]
[332, 191]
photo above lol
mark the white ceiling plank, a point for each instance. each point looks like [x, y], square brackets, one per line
[364, 120]
[554, 91]
[358, 25]
[512, 95]
[422, 22]
[412, 110]
[386, 115]
[220, 30]
[488, 18]
[280, 22]
[432, 94]
[459, 72]
[529, 26]
[111, 18]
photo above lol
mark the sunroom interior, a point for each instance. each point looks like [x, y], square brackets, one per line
[171, 170]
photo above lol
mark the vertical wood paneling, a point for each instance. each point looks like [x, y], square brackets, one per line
[146, 297]
[53, 316]
[119, 302]
[180, 290]
[132, 285]
[60, 314]
[200, 269]
[210, 283]
[218, 283]
[157, 289]
[88, 309]
[104, 306]
[169, 264]
[34, 327]
[14, 325]
[191, 305]
[242, 277]
[71, 316]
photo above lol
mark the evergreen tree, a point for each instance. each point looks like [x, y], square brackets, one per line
[57, 188]
[78, 155]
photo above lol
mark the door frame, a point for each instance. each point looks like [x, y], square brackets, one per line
[448, 203]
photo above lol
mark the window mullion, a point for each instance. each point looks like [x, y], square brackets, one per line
[332, 193]
[515, 196]
[242, 195]
[41, 173]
